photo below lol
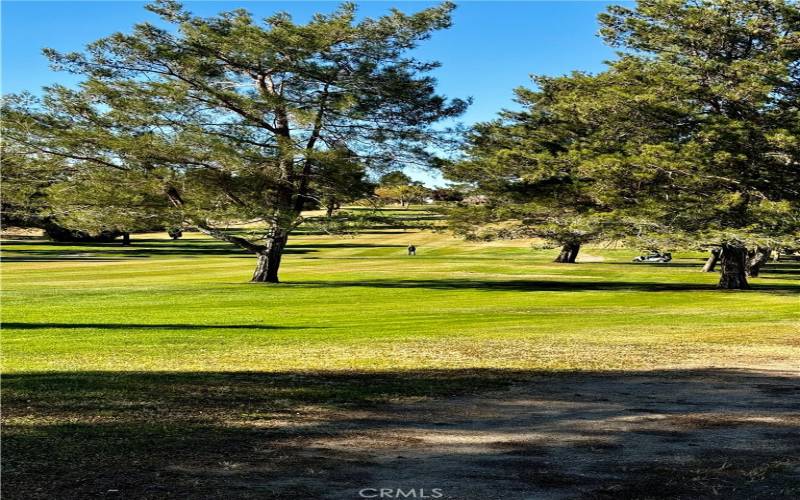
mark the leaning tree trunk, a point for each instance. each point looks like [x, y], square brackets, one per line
[573, 254]
[563, 256]
[734, 266]
[760, 258]
[568, 254]
[711, 263]
[269, 259]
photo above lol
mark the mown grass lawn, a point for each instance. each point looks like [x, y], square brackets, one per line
[110, 353]
[361, 303]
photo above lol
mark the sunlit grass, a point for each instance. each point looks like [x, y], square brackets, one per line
[359, 303]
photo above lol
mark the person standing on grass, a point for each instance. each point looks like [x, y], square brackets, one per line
[412, 250]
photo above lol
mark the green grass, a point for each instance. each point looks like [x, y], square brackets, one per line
[361, 304]
[155, 369]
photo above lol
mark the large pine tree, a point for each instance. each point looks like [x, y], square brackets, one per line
[691, 135]
[233, 120]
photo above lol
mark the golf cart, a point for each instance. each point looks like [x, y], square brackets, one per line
[654, 256]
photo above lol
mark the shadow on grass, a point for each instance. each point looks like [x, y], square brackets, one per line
[377, 229]
[695, 265]
[340, 245]
[65, 258]
[56, 251]
[769, 268]
[95, 252]
[577, 285]
[145, 326]
[783, 269]
[654, 434]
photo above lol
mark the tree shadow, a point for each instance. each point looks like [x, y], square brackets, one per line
[140, 249]
[769, 268]
[109, 252]
[341, 245]
[65, 259]
[539, 285]
[146, 326]
[782, 269]
[474, 433]
[672, 264]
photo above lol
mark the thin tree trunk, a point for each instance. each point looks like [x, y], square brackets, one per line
[269, 259]
[734, 265]
[760, 258]
[126, 239]
[711, 263]
[568, 254]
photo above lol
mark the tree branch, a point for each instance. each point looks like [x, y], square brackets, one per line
[236, 240]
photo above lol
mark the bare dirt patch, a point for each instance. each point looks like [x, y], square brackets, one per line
[656, 434]
[669, 435]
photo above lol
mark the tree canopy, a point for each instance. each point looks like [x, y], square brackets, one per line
[229, 119]
[397, 187]
[689, 137]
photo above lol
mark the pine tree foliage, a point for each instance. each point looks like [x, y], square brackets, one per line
[230, 119]
[690, 138]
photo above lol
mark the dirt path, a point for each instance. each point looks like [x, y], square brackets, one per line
[730, 433]
[684, 433]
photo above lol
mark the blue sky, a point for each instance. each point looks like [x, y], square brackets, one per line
[492, 47]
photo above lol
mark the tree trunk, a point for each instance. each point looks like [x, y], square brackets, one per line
[573, 253]
[126, 239]
[760, 258]
[711, 263]
[269, 259]
[569, 252]
[734, 266]
[332, 206]
[563, 255]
